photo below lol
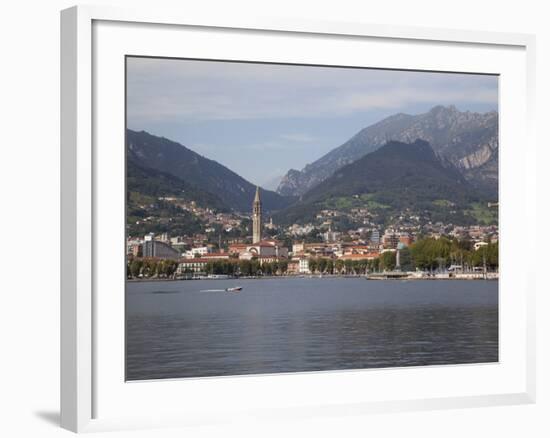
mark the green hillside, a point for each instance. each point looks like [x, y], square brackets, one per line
[159, 153]
[395, 178]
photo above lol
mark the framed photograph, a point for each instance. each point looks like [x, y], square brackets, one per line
[283, 218]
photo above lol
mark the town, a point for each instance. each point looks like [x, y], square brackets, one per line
[407, 248]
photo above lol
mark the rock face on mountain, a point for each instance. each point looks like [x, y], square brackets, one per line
[163, 155]
[467, 139]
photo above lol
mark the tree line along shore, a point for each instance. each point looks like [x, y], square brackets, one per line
[426, 255]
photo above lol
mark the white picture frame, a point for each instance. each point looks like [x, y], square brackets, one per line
[85, 373]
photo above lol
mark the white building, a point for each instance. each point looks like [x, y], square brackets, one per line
[195, 266]
[331, 236]
[303, 266]
[197, 252]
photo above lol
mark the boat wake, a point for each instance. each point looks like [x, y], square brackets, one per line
[229, 289]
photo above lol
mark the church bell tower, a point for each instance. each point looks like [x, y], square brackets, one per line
[257, 217]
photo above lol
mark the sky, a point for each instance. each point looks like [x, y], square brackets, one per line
[261, 120]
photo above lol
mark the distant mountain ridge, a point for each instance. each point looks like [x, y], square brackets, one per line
[396, 177]
[467, 139]
[396, 166]
[155, 183]
[149, 151]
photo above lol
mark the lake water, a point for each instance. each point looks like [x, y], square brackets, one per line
[191, 328]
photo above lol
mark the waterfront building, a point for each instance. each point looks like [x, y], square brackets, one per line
[358, 252]
[375, 236]
[406, 239]
[196, 266]
[356, 257]
[355, 249]
[298, 247]
[293, 267]
[257, 217]
[215, 256]
[264, 248]
[303, 266]
[198, 252]
[390, 240]
[320, 249]
[136, 250]
[154, 248]
[134, 247]
[180, 242]
[238, 248]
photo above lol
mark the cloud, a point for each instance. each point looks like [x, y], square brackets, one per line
[401, 97]
[194, 91]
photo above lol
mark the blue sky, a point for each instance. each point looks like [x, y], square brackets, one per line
[262, 119]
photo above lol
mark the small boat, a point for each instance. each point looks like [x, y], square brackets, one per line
[234, 289]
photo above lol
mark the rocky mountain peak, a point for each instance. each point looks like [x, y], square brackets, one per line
[468, 140]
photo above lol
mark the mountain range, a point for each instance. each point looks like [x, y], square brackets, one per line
[468, 140]
[171, 159]
[149, 182]
[396, 177]
[442, 164]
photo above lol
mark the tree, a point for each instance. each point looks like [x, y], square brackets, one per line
[387, 261]
[322, 265]
[246, 268]
[255, 267]
[348, 265]
[135, 267]
[360, 266]
[429, 254]
[486, 256]
[374, 265]
[405, 259]
[313, 264]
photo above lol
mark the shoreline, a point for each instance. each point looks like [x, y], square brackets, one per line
[379, 277]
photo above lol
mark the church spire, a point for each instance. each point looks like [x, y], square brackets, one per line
[257, 217]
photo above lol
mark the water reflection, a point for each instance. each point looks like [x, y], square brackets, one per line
[307, 325]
